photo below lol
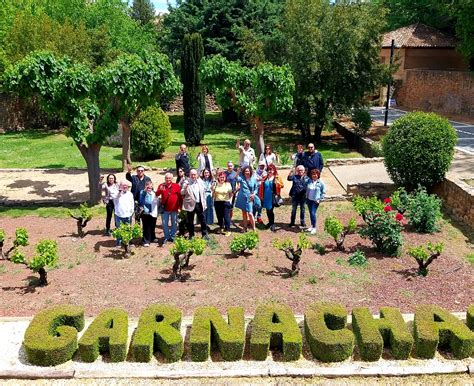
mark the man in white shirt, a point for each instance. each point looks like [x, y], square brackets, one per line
[247, 154]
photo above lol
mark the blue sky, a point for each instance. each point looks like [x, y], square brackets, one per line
[161, 5]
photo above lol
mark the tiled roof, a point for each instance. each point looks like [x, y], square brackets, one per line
[418, 35]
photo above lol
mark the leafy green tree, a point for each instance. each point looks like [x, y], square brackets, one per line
[333, 51]
[91, 103]
[143, 11]
[258, 92]
[193, 90]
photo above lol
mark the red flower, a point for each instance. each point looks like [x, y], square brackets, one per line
[388, 208]
[387, 200]
[399, 217]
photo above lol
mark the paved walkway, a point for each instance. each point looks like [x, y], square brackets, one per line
[465, 131]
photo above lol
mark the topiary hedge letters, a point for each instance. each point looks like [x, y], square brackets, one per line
[51, 337]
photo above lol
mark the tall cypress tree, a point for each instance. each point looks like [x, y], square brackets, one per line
[193, 90]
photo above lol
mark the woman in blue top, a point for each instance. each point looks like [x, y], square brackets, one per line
[245, 198]
[148, 202]
[208, 184]
[315, 192]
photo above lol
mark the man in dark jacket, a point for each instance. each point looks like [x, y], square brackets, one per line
[182, 161]
[311, 159]
[297, 193]
[138, 181]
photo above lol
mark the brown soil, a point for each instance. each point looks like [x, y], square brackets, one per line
[92, 273]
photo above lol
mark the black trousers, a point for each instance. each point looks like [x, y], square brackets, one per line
[198, 211]
[223, 213]
[110, 211]
[149, 224]
[271, 216]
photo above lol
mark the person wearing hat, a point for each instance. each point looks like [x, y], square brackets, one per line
[260, 174]
[123, 205]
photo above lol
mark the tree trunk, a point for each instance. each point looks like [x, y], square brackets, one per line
[43, 277]
[80, 231]
[128, 251]
[91, 155]
[2, 256]
[258, 129]
[126, 132]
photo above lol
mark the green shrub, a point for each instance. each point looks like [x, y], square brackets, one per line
[243, 242]
[338, 232]
[362, 120]
[384, 230]
[158, 330]
[418, 149]
[291, 252]
[424, 257]
[365, 205]
[435, 327]
[274, 326]
[82, 216]
[182, 245]
[371, 334]
[320, 249]
[2, 236]
[126, 233]
[150, 134]
[357, 259]
[210, 327]
[376, 148]
[326, 333]
[423, 211]
[470, 317]
[51, 337]
[107, 333]
[21, 237]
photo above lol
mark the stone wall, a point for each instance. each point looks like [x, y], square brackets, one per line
[458, 199]
[444, 92]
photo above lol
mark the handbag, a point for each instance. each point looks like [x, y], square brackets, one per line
[277, 201]
[162, 205]
[139, 213]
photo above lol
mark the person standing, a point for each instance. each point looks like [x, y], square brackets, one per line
[182, 161]
[315, 193]
[231, 177]
[208, 185]
[247, 191]
[260, 174]
[298, 194]
[270, 187]
[204, 159]
[123, 205]
[222, 194]
[246, 154]
[148, 201]
[311, 159]
[194, 203]
[268, 157]
[138, 181]
[170, 194]
[111, 189]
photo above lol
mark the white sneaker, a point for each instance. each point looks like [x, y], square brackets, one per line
[146, 245]
[313, 231]
[309, 229]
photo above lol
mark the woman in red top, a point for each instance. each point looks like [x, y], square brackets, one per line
[170, 193]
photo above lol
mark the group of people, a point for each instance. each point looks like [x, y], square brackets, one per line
[204, 191]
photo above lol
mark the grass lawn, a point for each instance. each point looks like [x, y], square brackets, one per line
[36, 149]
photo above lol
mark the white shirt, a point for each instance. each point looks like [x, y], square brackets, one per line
[124, 204]
[247, 157]
[268, 159]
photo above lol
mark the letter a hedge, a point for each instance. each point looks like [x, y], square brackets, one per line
[325, 329]
[158, 329]
[274, 325]
[51, 337]
[107, 333]
[371, 334]
[435, 327]
[208, 324]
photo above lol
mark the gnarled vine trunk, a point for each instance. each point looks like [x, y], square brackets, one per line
[2, 256]
[43, 277]
[91, 153]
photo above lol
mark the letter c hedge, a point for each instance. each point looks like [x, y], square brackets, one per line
[51, 337]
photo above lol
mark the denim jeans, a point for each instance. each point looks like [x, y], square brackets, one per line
[121, 220]
[165, 218]
[295, 202]
[313, 207]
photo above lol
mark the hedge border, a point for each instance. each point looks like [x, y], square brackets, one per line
[274, 325]
[325, 326]
[107, 333]
[435, 327]
[470, 317]
[210, 327]
[51, 337]
[373, 334]
[163, 335]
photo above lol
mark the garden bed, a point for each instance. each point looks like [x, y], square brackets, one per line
[92, 273]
